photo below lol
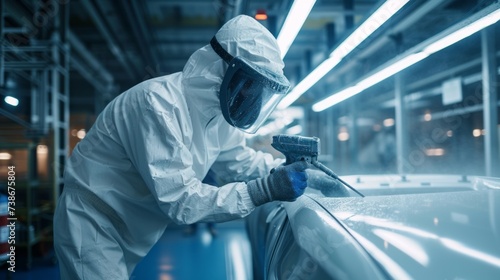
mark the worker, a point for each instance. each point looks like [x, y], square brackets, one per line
[140, 166]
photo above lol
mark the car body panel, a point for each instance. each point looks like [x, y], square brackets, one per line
[328, 243]
[405, 228]
[427, 236]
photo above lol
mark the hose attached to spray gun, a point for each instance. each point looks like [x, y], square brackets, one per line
[332, 174]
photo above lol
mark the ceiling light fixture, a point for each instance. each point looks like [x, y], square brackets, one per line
[294, 130]
[5, 156]
[467, 28]
[370, 25]
[293, 23]
[11, 101]
[261, 14]
[371, 80]
[389, 122]
[308, 82]
[463, 32]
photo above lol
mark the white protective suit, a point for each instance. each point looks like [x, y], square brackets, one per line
[140, 166]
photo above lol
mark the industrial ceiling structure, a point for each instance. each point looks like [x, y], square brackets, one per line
[113, 45]
[116, 44]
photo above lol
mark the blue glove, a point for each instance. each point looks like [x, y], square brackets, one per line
[286, 183]
[328, 186]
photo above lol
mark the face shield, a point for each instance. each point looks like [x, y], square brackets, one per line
[248, 93]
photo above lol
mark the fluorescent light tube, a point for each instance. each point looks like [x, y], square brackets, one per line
[5, 156]
[293, 23]
[308, 82]
[372, 23]
[409, 60]
[11, 101]
[390, 70]
[335, 98]
[464, 32]
[294, 130]
[369, 81]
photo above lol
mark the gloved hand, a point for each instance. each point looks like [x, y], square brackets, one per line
[285, 183]
[328, 186]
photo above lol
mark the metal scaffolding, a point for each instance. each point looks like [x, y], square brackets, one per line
[44, 62]
[42, 57]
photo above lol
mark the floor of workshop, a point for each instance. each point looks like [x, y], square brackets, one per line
[178, 256]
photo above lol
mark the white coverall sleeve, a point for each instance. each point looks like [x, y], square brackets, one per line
[238, 162]
[165, 164]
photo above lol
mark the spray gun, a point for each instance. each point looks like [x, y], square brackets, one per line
[296, 148]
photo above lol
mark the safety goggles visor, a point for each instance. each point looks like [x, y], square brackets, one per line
[249, 94]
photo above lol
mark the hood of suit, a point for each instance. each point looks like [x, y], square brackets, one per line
[204, 71]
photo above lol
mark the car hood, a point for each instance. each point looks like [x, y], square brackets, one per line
[449, 235]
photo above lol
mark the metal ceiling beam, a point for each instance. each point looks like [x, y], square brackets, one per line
[135, 14]
[348, 17]
[108, 37]
[233, 8]
[15, 118]
[78, 47]
[90, 76]
[145, 29]
[185, 3]
[139, 37]
[460, 111]
[182, 35]
[172, 34]
[320, 10]
[411, 19]
[92, 65]
[193, 41]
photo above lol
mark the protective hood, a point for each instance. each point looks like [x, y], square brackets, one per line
[204, 72]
